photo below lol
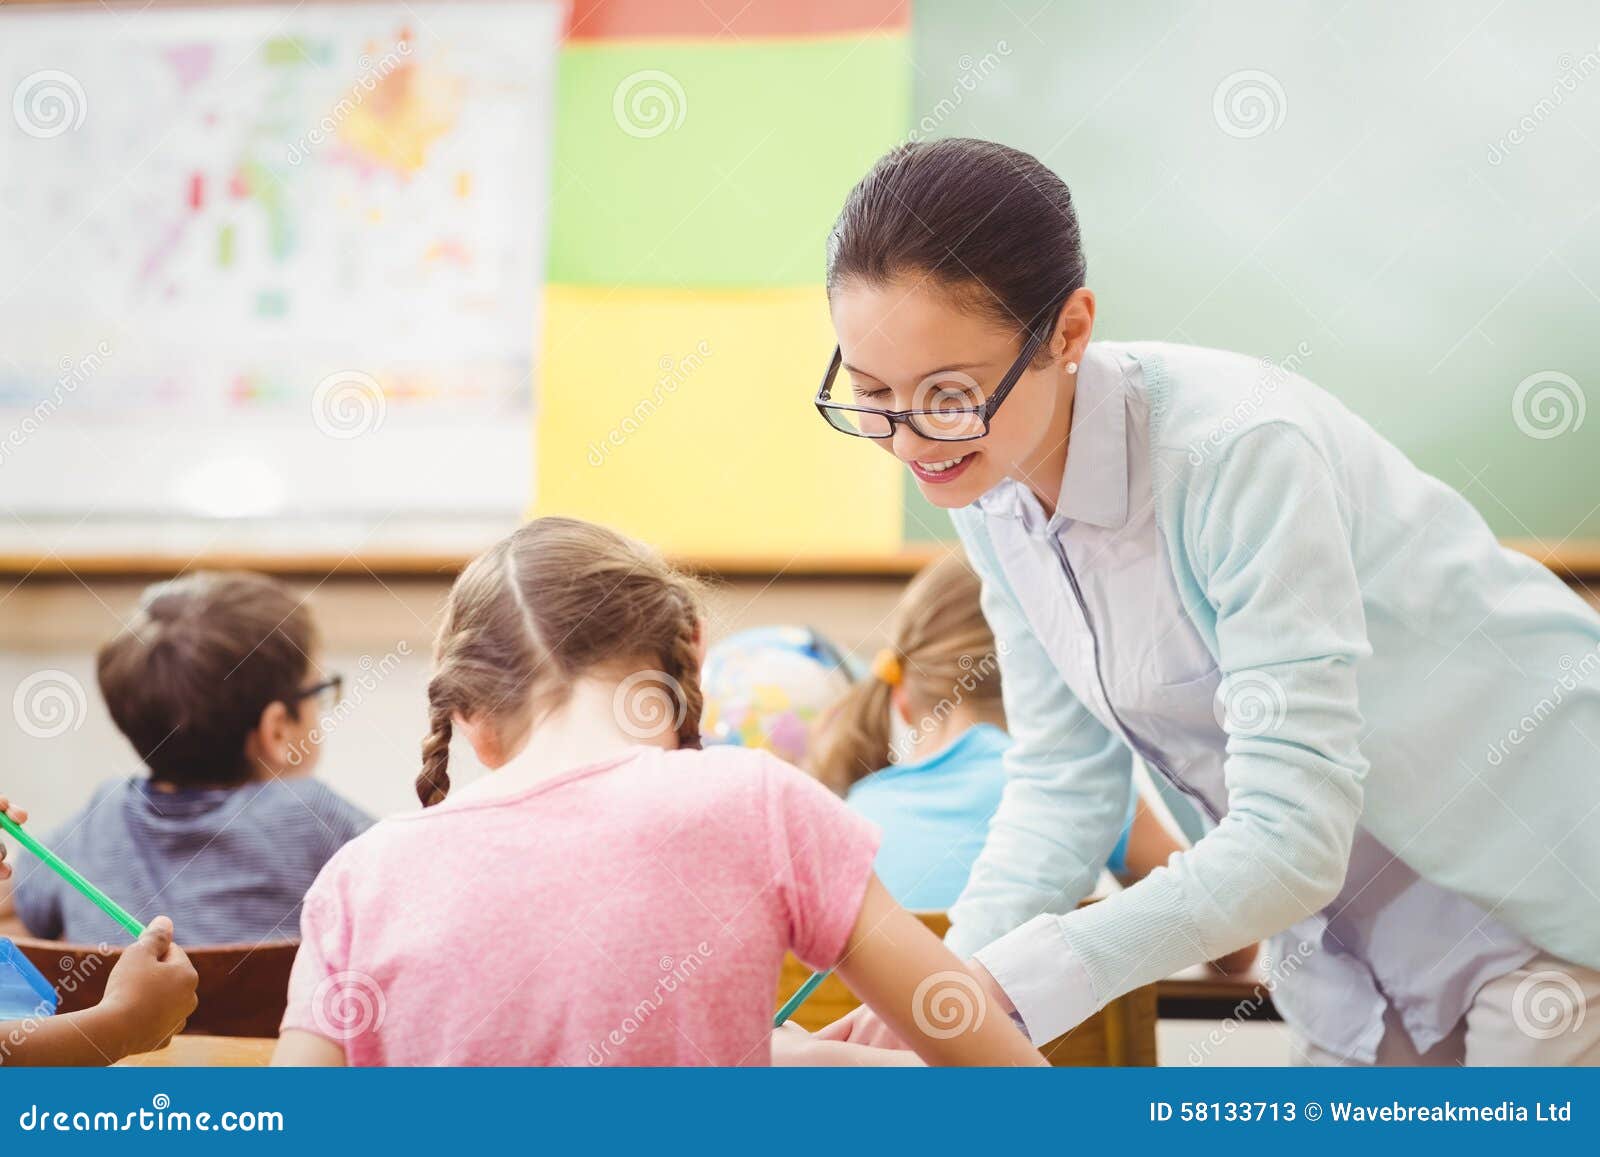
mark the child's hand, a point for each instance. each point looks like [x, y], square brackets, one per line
[150, 993]
[793, 1046]
[20, 817]
[790, 1044]
[861, 1026]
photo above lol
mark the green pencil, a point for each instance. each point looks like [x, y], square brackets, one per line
[798, 998]
[68, 873]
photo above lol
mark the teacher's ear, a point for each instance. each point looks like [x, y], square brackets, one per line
[1074, 328]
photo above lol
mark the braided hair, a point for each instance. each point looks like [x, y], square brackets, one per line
[558, 600]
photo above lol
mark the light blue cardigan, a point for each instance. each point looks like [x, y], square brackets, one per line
[1440, 690]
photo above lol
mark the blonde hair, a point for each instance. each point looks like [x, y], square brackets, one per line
[555, 601]
[941, 651]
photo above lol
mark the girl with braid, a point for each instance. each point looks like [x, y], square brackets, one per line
[609, 894]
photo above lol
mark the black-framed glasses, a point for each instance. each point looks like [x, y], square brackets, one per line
[326, 693]
[943, 412]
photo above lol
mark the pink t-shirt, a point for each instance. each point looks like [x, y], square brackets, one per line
[634, 912]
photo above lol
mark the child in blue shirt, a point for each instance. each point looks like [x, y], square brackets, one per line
[934, 813]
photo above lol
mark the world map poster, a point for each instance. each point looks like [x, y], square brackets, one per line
[272, 262]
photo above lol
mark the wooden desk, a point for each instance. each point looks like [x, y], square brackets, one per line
[1122, 1033]
[207, 1052]
[1201, 993]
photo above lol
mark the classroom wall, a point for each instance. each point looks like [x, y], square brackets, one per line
[377, 634]
[1397, 197]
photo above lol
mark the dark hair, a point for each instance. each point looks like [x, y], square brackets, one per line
[988, 222]
[556, 600]
[187, 680]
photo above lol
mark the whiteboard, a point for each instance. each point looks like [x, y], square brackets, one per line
[272, 264]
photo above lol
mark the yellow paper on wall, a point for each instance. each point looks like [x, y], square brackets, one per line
[685, 418]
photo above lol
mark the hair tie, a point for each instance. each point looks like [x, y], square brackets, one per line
[886, 668]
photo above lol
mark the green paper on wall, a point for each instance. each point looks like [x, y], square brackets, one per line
[716, 165]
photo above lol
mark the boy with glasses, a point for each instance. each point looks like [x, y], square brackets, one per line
[215, 684]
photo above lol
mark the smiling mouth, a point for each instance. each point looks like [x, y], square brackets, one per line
[943, 470]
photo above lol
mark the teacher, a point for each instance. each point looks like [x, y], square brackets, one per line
[1390, 723]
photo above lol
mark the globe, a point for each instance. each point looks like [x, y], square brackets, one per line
[765, 686]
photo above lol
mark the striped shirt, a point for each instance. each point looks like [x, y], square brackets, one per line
[228, 865]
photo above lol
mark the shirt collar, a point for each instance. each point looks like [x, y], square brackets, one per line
[1094, 485]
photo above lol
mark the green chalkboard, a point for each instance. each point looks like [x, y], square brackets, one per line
[1409, 192]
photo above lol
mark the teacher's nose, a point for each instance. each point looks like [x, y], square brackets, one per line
[910, 446]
